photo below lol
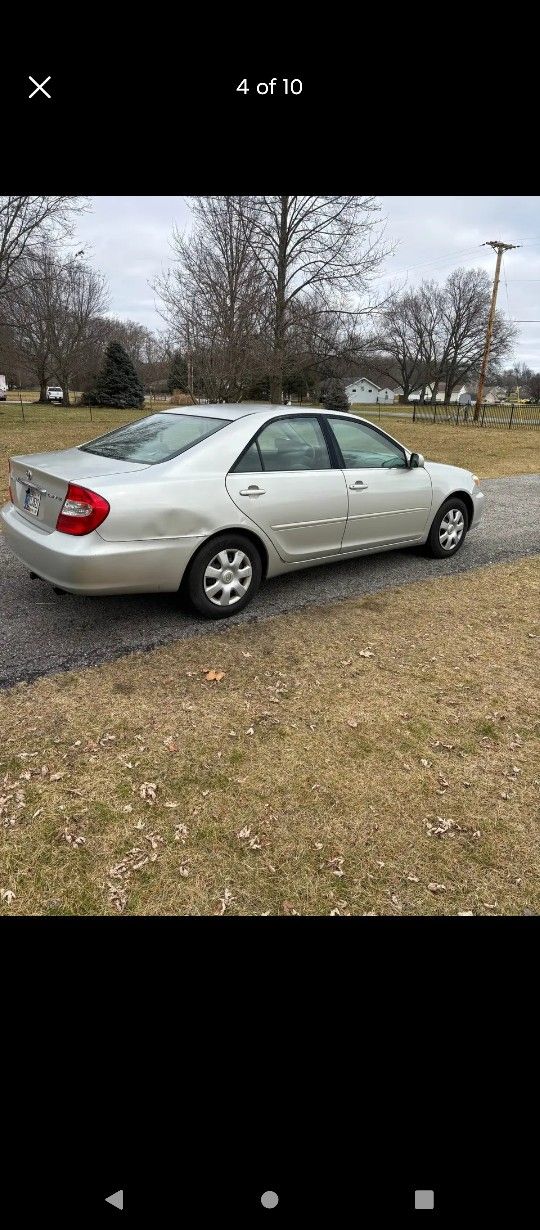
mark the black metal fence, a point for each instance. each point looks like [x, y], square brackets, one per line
[508, 416]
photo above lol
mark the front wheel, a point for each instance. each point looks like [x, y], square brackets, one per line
[447, 533]
[224, 576]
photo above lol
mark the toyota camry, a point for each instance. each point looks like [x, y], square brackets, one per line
[211, 500]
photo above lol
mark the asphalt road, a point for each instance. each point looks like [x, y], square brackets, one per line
[43, 632]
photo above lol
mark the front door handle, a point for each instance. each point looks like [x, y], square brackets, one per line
[253, 490]
[357, 486]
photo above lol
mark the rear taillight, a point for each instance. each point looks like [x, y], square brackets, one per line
[82, 511]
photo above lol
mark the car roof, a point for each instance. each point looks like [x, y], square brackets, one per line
[229, 410]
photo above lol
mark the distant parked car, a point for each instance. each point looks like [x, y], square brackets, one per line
[54, 393]
[3, 388]
[211, 500]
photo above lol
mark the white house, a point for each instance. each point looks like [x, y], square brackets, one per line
[463, 394]
[365, 392]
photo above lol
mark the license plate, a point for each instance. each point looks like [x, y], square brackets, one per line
[31, 501]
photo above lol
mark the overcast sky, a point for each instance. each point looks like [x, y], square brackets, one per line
[128, 239]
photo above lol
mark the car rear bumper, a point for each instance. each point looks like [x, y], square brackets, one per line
[90, 565]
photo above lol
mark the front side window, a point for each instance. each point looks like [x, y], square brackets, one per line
[160, 437]
[364, 448]
[293, 444]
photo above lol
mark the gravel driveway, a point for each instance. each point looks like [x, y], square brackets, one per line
[44, 632]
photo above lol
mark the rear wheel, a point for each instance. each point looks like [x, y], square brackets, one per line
[448, 530]
[224, 576]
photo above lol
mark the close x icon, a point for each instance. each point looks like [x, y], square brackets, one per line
[39, 87]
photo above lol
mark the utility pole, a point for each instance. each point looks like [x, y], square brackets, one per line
[499, 248]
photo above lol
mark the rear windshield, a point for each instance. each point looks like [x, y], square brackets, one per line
[156, 438]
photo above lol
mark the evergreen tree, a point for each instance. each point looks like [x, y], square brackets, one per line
[333, 395]
[118, 384]
[178, 374]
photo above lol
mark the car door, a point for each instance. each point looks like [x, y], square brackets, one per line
[387, 501]
[286, 484]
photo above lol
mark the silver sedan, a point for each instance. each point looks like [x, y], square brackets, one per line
[210, 500]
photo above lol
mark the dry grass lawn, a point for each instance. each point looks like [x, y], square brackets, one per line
[374, 756]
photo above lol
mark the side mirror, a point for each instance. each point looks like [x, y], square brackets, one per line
[416, 461]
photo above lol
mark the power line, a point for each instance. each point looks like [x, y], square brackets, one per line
[427, 264]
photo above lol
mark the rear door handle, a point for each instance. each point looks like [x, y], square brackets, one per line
[253, 490]
[358, 486]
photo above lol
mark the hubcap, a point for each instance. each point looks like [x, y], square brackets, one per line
[227, 577]
[451, 529]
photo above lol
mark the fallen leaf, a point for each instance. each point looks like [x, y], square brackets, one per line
[225, 900]
[352, 722]
[214, 676]
[170, 743]
[365, 653]
[7, 894]
[148, 791]
[437, 888]
[440, 827]
[336, 865]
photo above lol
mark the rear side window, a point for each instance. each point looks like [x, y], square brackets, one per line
[250, 461]
[287, 444]
[160, 437]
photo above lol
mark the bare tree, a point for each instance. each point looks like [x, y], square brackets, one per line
[518, 376]
[214, 300]
[533, 384]
[76, 296]
[436, 334]
[465, 301]
[310, 248]
[26, 309]
[26, 223]
[55, 315]
[402, 345]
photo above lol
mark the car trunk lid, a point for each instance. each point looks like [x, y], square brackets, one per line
[39, 482]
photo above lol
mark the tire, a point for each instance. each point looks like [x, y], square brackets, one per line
[230, 554]
[449, 529]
